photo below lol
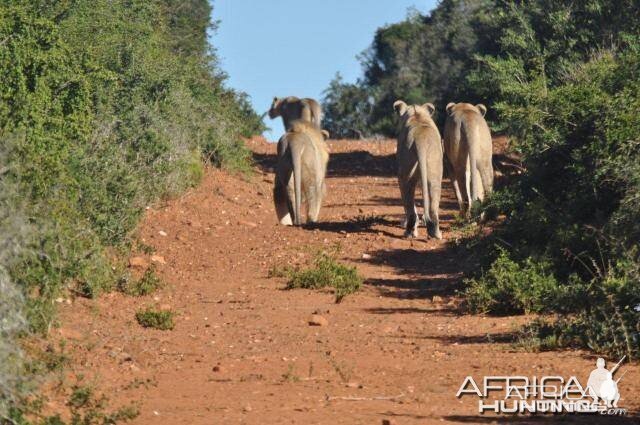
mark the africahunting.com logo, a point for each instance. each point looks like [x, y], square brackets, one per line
[548, 394]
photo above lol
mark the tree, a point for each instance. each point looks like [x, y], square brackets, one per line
[346, 109]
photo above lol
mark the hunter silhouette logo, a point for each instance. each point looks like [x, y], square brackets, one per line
[548, 394]
[601, 384]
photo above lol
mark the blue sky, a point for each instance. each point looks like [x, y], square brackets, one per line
[295, 47]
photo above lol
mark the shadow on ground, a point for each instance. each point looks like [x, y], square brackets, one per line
[429, 273]
[488, 338]
[342, 164]
[430, 263]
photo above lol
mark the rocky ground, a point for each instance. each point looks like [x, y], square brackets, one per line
[243, 351]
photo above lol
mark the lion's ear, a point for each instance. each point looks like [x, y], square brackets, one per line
[400, 107]
[449, 107]
[482, 109]
[429, 107]
[325, 134]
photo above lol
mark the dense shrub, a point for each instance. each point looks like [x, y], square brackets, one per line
[156, 319]
[347, 108]
[575, 209]
[14, 233]
[562, 79]
[325, 272]
[510, 288]
[424, 58]
[106, 106]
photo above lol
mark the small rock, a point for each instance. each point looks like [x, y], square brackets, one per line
[389, 422]
[138, 262]
[217, 368]
[318, 320]
[158, 259]
[437, 299]
[353, 385]
[248, 408]
[162, 233]
[366, 256]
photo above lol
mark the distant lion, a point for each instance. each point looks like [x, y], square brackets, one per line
[468, 146]
[291, 109]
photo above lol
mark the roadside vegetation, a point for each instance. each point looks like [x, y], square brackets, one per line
[107, 107]
[324, 272]
[148, 283]
[562, 80]
[156, 319]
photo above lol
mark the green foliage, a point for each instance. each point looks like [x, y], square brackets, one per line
[572, 113]
[156, 319]
[607, 314]
[421, 59]
[561, 78]
[510, 288]
[15, 231]
[346, 109]
[539, 335]
[325, 272]
[107, 107]
[86, 408]
[80, 397]
[146, 285]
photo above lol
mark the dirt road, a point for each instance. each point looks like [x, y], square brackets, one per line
[242, 350]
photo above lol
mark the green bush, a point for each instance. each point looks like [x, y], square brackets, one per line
[561, 79]
[606, 317]
[423, 58]
[574, 213]
[156, 319]
[107, 107]
[511, 288]
[146, 285]
[539, 335]
[86, 408]
[14, 233]
[326, 272]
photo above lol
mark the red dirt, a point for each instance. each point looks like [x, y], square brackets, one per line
[242, 350]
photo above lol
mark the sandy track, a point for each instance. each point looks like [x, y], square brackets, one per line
[242, 350]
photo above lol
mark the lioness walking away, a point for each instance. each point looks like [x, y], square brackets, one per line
[301, 169]
[467, 143]
[419, 156]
